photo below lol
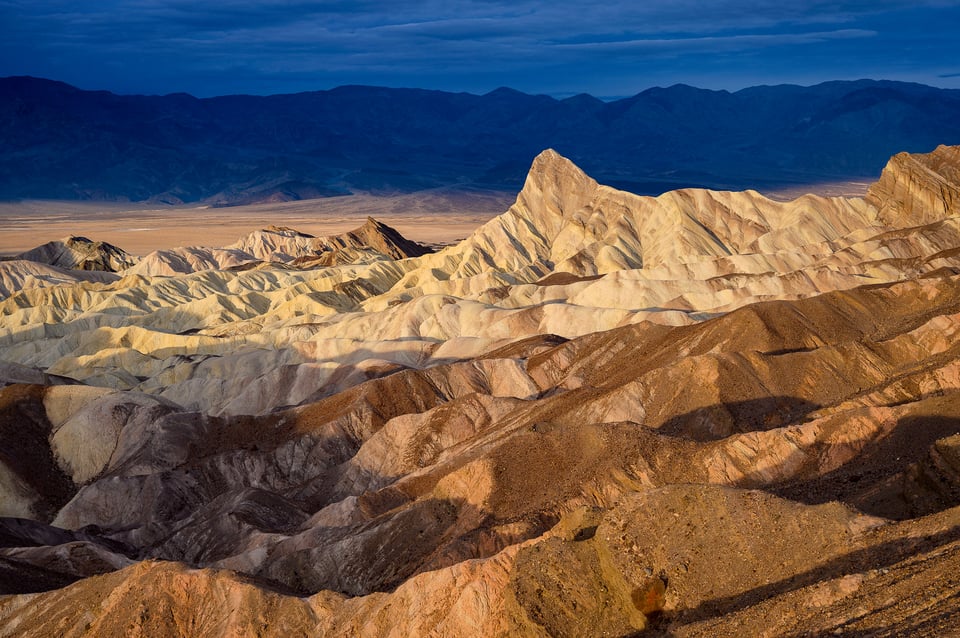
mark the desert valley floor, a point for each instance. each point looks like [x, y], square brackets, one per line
[598, 414]
[437, 216]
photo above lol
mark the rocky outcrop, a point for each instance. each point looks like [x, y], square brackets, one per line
[57, 438]
[377, 236]
[916, 189]
[80, 253]
[182, 261]
[276, 243]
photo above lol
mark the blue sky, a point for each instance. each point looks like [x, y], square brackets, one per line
[559, 48]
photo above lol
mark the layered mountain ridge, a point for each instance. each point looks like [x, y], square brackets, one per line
[64, 143]
[703, 413]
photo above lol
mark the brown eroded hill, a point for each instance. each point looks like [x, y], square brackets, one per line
[80, 253]
[401, 447]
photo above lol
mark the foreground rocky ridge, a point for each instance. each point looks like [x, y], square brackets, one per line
[727, 431]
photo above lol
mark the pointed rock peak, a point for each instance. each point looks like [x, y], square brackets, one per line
[555, 187]
[552, 163]
[377, 227]
[377, 235]
[550, 156]
[552, 171]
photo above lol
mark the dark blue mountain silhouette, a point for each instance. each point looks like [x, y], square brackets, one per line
[57, 141]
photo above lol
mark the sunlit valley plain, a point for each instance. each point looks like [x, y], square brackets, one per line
[377, 362]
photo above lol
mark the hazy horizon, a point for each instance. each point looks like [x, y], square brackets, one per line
[557, 96]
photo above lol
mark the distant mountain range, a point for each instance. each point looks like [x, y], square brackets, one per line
[60, 142]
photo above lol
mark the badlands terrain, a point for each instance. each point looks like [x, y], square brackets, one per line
[700, 414]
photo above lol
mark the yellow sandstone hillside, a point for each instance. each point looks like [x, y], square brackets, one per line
[244, 341]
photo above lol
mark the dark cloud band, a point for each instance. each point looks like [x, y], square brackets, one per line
[562, 47]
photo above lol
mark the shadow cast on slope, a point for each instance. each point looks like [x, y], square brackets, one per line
[898, 476]
[721, 420]
[863, 560]
[25, 451]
